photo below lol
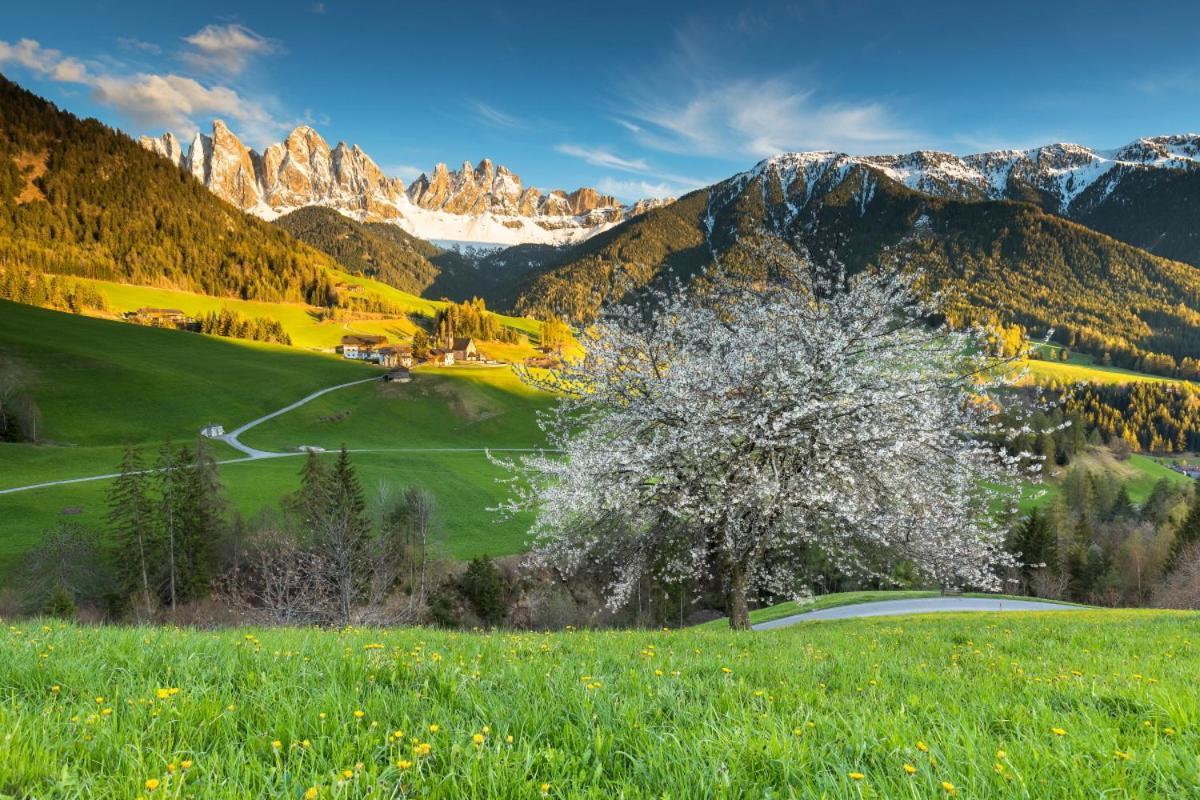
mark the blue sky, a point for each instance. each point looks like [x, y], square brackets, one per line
[638, 99]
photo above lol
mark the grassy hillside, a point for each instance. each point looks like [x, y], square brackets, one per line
[1063, 705]
[79, 198]
[101, 384]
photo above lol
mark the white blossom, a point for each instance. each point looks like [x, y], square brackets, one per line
[728, 432]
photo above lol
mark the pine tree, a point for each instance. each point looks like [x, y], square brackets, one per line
[343, 534]
[136, 542]
[1187, 533]
[202, 524]
[1034, 541]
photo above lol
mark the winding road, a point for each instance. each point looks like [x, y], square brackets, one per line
[254, 454]
[925, 605]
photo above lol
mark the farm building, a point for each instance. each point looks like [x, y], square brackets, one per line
[212, 430]
[398, 375]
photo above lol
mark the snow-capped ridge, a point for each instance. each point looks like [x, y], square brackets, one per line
[1062, 171]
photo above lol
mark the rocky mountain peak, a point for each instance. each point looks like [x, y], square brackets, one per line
[483, 201]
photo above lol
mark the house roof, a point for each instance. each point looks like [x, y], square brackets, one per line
[395, 348]
[363, 340]
[462, 343]
[168, 311]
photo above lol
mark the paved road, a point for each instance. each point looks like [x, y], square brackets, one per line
[927, 605]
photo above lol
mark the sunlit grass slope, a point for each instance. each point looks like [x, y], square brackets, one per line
[1063, 705]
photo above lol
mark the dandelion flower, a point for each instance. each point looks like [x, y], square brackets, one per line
[545, 788]
[910, 769]
[478, 739]
[404, 764]
[1121, 755]
[359, 714]
[347, 774]
[924, 748]
[151, 784]
[434, 728]
[186, 763]
[1058, 731]
[312, 793]
[276, 744]
[726, 670]
[856, 776]
[948, 788]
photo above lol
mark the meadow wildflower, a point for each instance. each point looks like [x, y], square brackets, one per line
[948, 788]
[856, 776]
[478, 739]
[186, 763]
[151, 784]
[404, 764]
[910, 769]
[1058, 731]
[312, 793]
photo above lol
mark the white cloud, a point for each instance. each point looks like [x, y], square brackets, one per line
[152, 101]
[226, 48]
[406, 172]
[630, 190]
[764, 118]
[602, 158]
[44, 61]
[660, 183]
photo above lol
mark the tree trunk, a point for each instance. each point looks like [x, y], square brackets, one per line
[735, 601]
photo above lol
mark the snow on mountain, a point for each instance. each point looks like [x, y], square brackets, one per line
[1059, 174]
[482, 204]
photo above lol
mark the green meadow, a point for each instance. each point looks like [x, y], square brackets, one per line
[101, 384]
[1065, 705]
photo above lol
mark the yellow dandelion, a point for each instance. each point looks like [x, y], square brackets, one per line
[186, 763]
[856, 776]
[347, 774]
[1121, 755]
[477, 739]
[910, 769]
[404, 764]
[151, 784]
[359, 714]
[726, 670]
[948, 788]
[172, 767]
[312, 793]
[1001, 755]
[545, 789]
[434, 728]
[1058, 731]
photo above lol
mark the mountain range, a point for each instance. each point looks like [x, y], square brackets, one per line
[1100, 246]
[485, 203]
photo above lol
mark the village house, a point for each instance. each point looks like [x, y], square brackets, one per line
[212, 431]
[394, 355]
[361, 347]
[442, 358]
[464, 350]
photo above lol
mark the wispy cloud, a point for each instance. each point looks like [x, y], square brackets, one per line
[629, 190]
[152, 101]
[698, 100]
[137, 45]
[406, 172]
[653, 183]
[496, 118]
[602, 158]
[226, 48]
[763, 118]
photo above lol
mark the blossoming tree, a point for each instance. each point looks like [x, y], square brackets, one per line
[728, 432]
